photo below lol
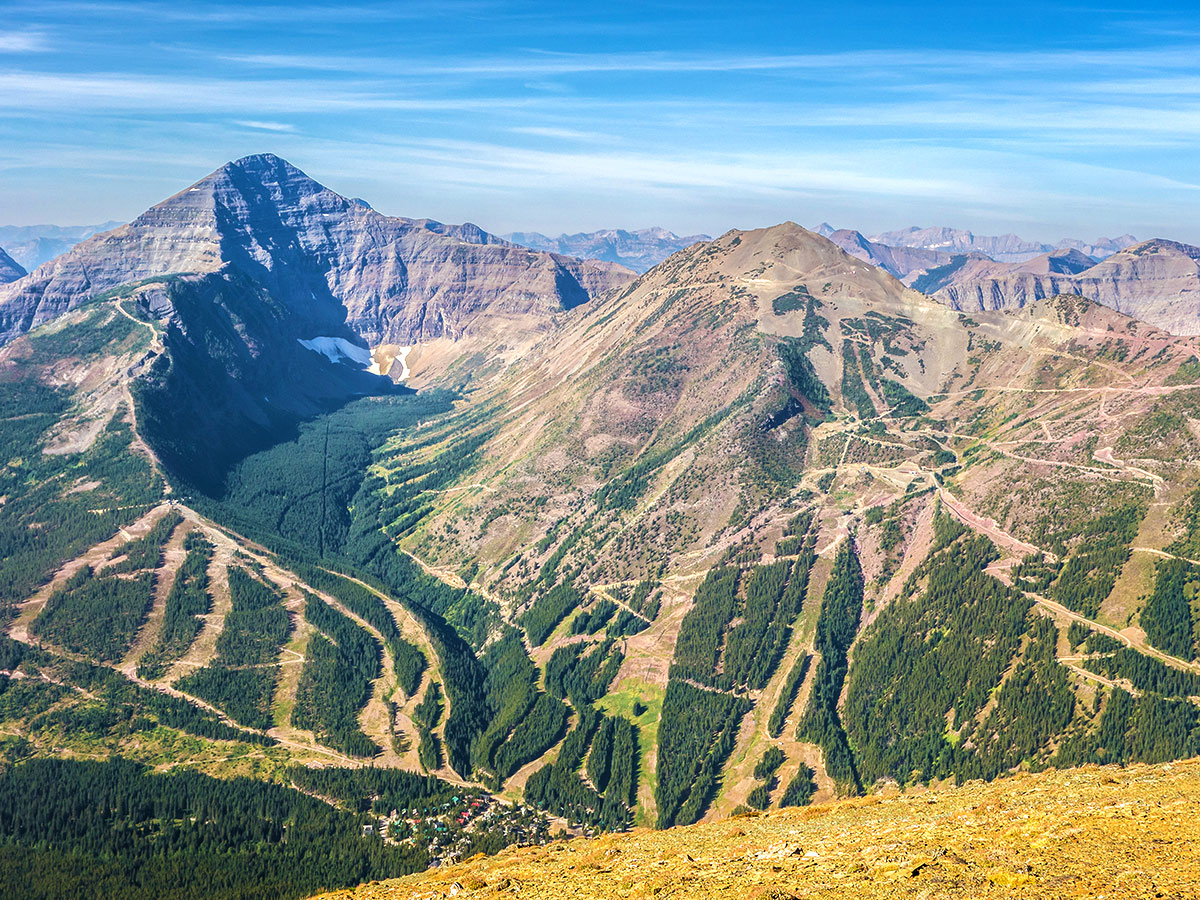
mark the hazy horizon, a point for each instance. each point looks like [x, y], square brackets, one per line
[1045, 122]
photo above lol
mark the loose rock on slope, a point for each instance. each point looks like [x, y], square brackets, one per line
[1088, 832]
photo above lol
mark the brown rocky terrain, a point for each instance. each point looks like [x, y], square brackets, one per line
[1156, 281]
[1091, 832]
[642, 368]
[391, 280]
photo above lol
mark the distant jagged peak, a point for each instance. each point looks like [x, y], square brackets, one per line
[1061, 261]
[10, 269]
[847, 234]
[1003, 248]
[639, 249]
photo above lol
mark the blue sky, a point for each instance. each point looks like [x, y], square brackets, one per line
[1044, 119]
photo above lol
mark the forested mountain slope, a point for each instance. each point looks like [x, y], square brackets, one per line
[761, 527]
[767, 393]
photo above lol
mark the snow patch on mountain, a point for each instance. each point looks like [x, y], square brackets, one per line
[337, 349]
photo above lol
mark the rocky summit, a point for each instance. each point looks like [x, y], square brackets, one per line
[1087, 833]
[391, 280]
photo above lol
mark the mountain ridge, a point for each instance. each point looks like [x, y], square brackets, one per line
[1157, 281]
[1002, 248]
[393, 276]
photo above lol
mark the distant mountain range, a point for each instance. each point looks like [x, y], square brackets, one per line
[1002, 248]
[1157, 281]
[903, 252]
[32, 245]
[639, 250]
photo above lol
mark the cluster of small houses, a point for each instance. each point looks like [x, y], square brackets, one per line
[448, 830]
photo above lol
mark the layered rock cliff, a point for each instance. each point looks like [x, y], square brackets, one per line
[1156, 281]
[391, 280]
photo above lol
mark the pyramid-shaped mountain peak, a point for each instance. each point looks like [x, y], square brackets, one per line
[392, 280]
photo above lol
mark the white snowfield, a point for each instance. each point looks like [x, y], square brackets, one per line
[337, 349]
[400, 358]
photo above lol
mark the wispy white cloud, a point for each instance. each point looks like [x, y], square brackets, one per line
[1151, 120]
[900, 62]
[248, 14]
[23, 42]
[567, 134]
[265, 126]
[464, 109]
[119, 93]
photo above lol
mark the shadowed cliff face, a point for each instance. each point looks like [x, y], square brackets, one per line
[233, 376]
[10, 269]
[391, 280]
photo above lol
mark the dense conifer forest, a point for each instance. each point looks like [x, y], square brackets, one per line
[241, 680]
[837, 624]
[76, 829]
[340, 665]
[188, 600]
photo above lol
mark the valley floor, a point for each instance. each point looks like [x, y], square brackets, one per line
[1089, 832]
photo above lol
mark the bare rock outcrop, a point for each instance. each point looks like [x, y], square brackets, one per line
[391, 280]
[1156, 281]
[10, 269]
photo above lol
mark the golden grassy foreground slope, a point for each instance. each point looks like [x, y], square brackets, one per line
[1091, 832]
